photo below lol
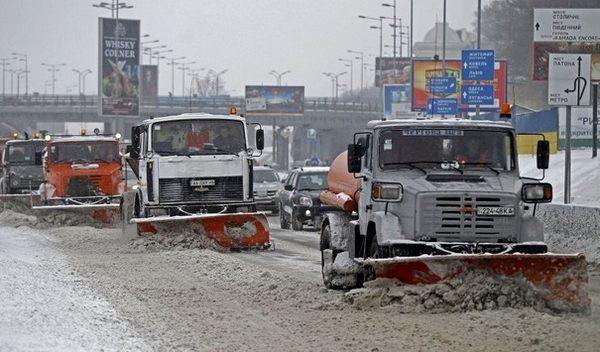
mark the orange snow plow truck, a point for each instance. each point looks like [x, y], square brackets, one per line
[83, 174]
[423, 201]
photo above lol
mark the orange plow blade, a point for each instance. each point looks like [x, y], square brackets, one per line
[108, 214]
[231, 231]
[558, 279]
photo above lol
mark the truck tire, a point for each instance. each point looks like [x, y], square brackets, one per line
[296, 222]
[374, 252]
[324, 245]
[283, 223]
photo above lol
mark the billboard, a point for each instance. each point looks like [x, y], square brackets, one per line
[581, 123]
[396, 100]
[423, 70]
[542, 50]
[118, 61]
[389, 70]
[149, 83]
[275, 100]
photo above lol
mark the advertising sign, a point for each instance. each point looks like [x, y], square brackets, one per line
[149, 83]
[541, 52]
[442, 85]
[392, 71]
[478, 65]
[581, 123]
[566, 25]
[568, 80]
[119, 59]
[275, 100]
[442, 106]
[423, 70]
[478, 94]
[396, 99]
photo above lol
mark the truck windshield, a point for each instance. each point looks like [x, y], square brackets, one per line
[23, 153]
[446, 149]
[84, 152]
[312, 182]
[198, 137]
[263, 176]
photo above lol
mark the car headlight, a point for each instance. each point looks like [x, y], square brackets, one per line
[306, 201]
[388, 192]
[536, 193]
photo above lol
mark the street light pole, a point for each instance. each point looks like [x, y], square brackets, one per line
[184, 67]
[362, 64]
[173, 63]
[26, 71]
[278, 75]
[53, 68]
[4, 62]
[217, 75]
[351, 62]
[81, 79]
[380, 19]
[394, 19]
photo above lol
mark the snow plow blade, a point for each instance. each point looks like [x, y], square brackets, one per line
[558, 279]
[230, 231]
[108, 214]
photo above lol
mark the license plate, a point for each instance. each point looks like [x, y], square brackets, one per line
[496, 211]
[196, 183]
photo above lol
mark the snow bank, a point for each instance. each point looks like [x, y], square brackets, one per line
[174, 241]
[475, 290]
[45, 219]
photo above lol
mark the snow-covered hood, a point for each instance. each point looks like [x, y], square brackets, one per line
[200, 166]
[267, 186]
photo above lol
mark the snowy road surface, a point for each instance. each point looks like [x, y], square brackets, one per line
[80, 288]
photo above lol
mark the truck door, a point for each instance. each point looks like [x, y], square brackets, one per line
[365, 201]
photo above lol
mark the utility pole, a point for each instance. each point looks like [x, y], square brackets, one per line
[444, 41]
[411, 29]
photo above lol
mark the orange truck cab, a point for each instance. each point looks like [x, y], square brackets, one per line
[82, 170]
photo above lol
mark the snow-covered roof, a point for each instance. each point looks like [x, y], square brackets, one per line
[314, 168]
[90, 138]
[194, 116]
[438, 122]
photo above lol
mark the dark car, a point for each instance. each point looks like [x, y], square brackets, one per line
[299, 202]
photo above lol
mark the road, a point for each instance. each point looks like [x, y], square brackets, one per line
[81, 288]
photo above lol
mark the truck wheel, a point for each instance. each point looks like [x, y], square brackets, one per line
[373, 252]
[325, 245]
[282, 220]
[296, 222]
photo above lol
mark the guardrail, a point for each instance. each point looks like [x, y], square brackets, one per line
[91, 101]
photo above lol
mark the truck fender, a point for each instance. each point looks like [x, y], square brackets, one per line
[342, 230]
[387, 226]
[532, 229]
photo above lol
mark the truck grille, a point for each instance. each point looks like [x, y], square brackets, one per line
[453, 217]
[178, 190]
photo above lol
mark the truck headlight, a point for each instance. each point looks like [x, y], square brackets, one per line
[388, 192]
[306, 201]
[536, 193]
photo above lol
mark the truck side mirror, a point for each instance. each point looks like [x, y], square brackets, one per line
[543, 154]
[260, 139]
[38, 158]
[288, 187]
[355, 152]
[133, 153]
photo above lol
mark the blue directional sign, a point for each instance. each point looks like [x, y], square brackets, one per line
[477, 65]
[442, 85]
[477, 94]
[442, 106]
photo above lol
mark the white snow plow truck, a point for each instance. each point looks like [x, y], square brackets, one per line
[195, 175]
[422, 201]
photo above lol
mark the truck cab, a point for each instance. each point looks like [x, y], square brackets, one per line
[80, 170]
[443, 186]
[22, 166]
[193, 163]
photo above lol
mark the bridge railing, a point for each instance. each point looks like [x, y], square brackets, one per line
[91, 101]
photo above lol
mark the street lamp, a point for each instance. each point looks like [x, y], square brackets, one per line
[278, 75]
[146, 42]
[217, 75]
[19, 73]
[148, 50]
[12, 72]
[81, 79]
[53, 68]
[114, 7]
[24, 56]
[334, 82]
[184, 67]
[362, 62]
[173, 63]
[4, 62]
[351, 62]
[158, 55]
[380, 20]
[394, 19]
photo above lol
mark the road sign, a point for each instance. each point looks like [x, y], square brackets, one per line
[477, 65]
[442, 106]
[442, 85]
[311, 134]
[569, 79]
[566, 25]
[396, 100]
[477, 94]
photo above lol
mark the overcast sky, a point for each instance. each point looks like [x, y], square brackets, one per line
[247, 37]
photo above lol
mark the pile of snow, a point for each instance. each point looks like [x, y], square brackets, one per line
[474, 290]
[46, 219]
[12, 218]
[585, 175]
[174, 241]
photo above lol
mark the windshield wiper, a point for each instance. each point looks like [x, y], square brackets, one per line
[411, 164]
[487, 165]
